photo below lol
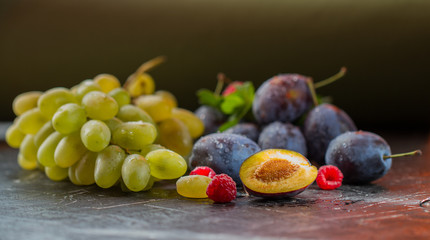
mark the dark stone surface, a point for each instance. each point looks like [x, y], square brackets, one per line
[33, 207]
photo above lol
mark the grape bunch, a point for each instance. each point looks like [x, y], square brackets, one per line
[99, 132]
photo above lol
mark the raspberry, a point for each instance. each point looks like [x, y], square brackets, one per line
[222, 189]
[329, 177]
[231, 88]
[205, 171]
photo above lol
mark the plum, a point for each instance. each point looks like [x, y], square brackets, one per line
[223, 152]
[249, 130]
[211, 118]
[276, 173]
[362, 156]
[283, 136]
[322, 124]
[284, 98]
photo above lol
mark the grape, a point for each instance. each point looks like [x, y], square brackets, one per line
[46, 151]
[14, 136]
[121, 96]
[99, 105]
[155, 106]
[107, 82]
[31, 121]
[28, 152]
[56, 173]
[84, 169]
[135, 172]
[85, 87]
[54, 98]
[149, 148]
[69, 150]
[174, 135]
[25, 101]
[25, 163]
[43, 133]
[108, 166]
[168, 97]
[134, 135]
[72, 175]
[166, 164]
[142, 84]
[194, 124]
[112, 123]
[128, 113]
[193, 186]
[69, 118]
[95, 135]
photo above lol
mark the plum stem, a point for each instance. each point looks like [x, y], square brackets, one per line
[311, 86]
[413, 153]
[148, 65]
[220, 83]
[331, 79]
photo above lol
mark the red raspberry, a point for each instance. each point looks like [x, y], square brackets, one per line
[205, 171]
[231, 88]
[222, 189]
[329, 177]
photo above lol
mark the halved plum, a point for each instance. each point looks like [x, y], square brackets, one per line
[277, 173]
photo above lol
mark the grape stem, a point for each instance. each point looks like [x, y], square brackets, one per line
[413, 153]
[331, 79]
[146, 66]
[311, 86]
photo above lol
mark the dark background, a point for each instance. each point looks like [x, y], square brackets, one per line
[384, 44]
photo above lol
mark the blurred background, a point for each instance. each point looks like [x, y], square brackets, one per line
[384, 44]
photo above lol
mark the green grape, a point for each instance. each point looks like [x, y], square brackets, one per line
[129, 113]
[149, 148]
[28, 150]
[121, 96]
[193, 186]
[25, 101]
[95, 135]
[69, 150]
[56, 173]
[72, 175]
[46, 151]
[142, 84]
[99, 105]
[84, 170]
[194, 124]
[107, 82]
[25, 163]
[69, 118]
[135, 172]
[112, 123]
[155, 106]
[134, 135]
[43, 133]
[108, 166]
[168, 97]
[85, 87]
[166, 164]
[14, 136]
[31, 121]
[54, 98]
[174, 135]
[150, 184]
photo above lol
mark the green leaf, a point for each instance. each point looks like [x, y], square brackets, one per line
[231, 103]
[207, 97]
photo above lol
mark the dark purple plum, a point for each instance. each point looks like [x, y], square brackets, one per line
[249, 130]
[323, 124]
[279, 135]
[360, 156]
[212, 118]
[284, 98]
[223, 152]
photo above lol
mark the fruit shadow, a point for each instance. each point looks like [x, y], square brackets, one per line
[281, 202]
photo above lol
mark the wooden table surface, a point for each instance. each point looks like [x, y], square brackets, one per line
[33, 207]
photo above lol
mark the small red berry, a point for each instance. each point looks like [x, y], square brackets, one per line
[205, 171]
[329, 177]
[231, 88]
[222, 189]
